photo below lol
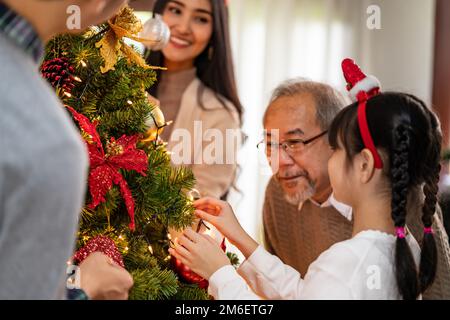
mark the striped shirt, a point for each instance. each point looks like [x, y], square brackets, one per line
[21, 32]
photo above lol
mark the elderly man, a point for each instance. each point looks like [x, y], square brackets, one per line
[301, 218]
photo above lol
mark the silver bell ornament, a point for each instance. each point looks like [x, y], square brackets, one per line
[157, 32]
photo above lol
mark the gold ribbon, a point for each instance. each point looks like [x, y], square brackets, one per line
[127, 25]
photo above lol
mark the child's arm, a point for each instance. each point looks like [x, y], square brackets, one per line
[271, 279]
[265, 274]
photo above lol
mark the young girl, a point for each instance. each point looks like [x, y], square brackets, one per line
[384, 146]
[199, 88]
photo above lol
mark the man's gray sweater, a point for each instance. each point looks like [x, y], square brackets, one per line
[43, 166]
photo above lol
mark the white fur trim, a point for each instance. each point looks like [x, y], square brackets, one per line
[366, 84]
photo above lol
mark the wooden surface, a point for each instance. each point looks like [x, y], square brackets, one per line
[441, 87]
[142, 5]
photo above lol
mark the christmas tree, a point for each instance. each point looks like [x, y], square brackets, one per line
[134, 194]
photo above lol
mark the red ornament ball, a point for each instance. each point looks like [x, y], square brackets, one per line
[189, 276]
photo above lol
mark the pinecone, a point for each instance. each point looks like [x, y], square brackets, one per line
[59, 73]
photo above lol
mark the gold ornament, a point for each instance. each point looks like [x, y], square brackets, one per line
[124, 24]
[155, 124]
[192, 194]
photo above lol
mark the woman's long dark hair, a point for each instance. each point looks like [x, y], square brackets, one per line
[217, 71]
[409, 135]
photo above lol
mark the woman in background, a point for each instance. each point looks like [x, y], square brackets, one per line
[198, 91]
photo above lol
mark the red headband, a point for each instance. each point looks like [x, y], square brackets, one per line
[362, 88]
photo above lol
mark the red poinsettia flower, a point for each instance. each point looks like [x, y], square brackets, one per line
[105, 167]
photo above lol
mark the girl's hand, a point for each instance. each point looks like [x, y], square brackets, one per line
[200, 253]
[220, 215]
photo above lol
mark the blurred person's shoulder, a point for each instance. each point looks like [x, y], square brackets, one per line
[32, 117]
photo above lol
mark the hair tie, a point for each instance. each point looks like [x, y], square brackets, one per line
[428, 230]
[400, 231]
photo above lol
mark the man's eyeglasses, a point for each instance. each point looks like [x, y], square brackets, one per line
[291, 146]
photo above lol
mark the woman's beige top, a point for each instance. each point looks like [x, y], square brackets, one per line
[205, 139]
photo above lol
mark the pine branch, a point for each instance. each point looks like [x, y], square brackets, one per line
[191, 292]
[153, 284]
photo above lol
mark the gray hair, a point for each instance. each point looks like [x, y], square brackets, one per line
[329, 101]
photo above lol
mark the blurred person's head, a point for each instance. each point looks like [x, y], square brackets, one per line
[298, 117]
[199, 38]
[50, 17]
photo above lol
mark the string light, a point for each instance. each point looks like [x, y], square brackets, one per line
[150, 248]
[208, 232]
[77, 79]
[67, 94]
[130, 102]
[83, 64]
[120, 237]
[169, 236]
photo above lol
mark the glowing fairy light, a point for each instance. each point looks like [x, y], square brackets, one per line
[208, 232]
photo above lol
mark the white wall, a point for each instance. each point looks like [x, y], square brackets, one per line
[401, 53]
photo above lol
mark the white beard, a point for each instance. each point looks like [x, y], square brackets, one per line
[301, 197]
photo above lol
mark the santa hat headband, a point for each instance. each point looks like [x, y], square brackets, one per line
[361, 88]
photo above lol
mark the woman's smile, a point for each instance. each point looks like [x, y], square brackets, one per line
[179, 43]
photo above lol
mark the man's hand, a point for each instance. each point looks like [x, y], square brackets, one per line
[102, 279]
